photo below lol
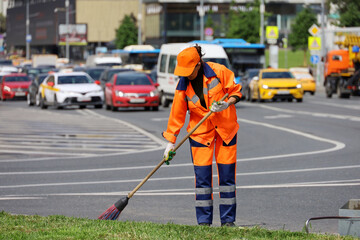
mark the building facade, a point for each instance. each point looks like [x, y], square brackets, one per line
[161, 21]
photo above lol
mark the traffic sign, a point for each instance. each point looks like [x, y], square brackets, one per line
[272, 32]
[314, 59]
[28, 38]
[314, 30]
[314, 43]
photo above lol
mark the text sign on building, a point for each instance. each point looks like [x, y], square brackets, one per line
[314, 30]
[314, 43]
[76, 34]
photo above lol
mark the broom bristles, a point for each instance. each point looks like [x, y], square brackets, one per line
[113, 212]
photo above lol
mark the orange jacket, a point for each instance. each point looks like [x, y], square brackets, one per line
[218, 80]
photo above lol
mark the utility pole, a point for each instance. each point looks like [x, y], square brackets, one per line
[201, 13]
[323, 46]
[139, 22]
[67, 30]
[27, 38]
[262, 11]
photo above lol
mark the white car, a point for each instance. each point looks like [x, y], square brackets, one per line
[72, 88]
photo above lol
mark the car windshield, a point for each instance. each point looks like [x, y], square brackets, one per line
[277, 75]
[74, 80]
[17, 79]
[135, 79]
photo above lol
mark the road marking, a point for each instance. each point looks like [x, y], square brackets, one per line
[278, 116]
[354, 107]
[323, 115]
[161, 178]
[190, 191]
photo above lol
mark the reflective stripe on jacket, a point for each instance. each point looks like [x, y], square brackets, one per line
[218, 80]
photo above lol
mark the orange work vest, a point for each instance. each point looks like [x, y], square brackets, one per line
[218, 80]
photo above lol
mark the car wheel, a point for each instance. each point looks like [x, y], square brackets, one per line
[164, 101]
[147, 108]
[312, 93]
[107, 107]
[259, 97]
[155, 108]
[28, 99]
[299, 99]
[56, 104]
[82, 106]
[98, 106]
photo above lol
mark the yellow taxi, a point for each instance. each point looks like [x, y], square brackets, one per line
[273, 84]
[307, 81]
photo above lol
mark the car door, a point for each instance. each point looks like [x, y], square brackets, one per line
[49, 91]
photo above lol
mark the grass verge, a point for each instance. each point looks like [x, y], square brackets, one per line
[61, 227]
[294, 58]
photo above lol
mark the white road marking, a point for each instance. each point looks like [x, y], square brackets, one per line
[278, 116]
[354, 107]
[323, 115]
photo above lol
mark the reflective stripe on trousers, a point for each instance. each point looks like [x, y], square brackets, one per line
[225, 156]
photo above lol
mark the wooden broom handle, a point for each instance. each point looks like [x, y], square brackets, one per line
[174, 150]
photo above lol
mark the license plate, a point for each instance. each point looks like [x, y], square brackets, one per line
[282, 92]
[84, 99]
[20, 94]
[137, 100]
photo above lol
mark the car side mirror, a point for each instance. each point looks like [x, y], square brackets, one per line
[256, 78]
[97, 82]
[51, 84]
[108, 84]
[156, 85]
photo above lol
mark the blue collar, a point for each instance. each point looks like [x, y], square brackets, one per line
[208, 72]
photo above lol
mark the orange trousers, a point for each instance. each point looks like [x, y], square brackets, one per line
[225, 156]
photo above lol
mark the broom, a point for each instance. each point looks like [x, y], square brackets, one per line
[113, 212]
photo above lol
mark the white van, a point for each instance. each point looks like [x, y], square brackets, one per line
[167, 62]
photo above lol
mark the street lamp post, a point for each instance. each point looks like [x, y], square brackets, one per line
[201, 13]
[67, 30]
[262, 11]
[27, 38]
[139, 22]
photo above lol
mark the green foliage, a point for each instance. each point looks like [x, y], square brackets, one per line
[245, 24]
[61, 227]
[349, 11]
[298, 38]
[126, 34]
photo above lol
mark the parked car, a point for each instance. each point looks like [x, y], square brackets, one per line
[248, 75]
[14, 85]
[32, 97]
[109, 73]
[34, 71]
[72, 88]
[275, 84]
[132, 89]
[307, 80]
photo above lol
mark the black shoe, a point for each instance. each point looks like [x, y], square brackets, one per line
[204, 224]
[228, 224]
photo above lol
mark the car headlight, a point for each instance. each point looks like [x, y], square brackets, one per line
[119, 93]
[264, 86]
[154, 93]
[6, 88]
[298, 86]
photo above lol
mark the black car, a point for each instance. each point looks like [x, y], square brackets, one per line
[34, 88]
[32, 72]
[249, 74]
[108, 73]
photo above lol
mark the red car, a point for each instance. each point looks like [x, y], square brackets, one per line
[14, 85]
[131, 89]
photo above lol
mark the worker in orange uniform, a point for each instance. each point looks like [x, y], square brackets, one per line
[199, 90]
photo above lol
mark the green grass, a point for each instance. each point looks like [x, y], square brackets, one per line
[294, 58]
[60, 227]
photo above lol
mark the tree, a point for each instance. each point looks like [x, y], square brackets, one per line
[298, 38]
[126, 34]
[245, 24]
[349, 11]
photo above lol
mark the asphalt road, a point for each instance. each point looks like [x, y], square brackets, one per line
[295, 161]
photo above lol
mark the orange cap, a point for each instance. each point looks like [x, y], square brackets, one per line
[186, 62]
